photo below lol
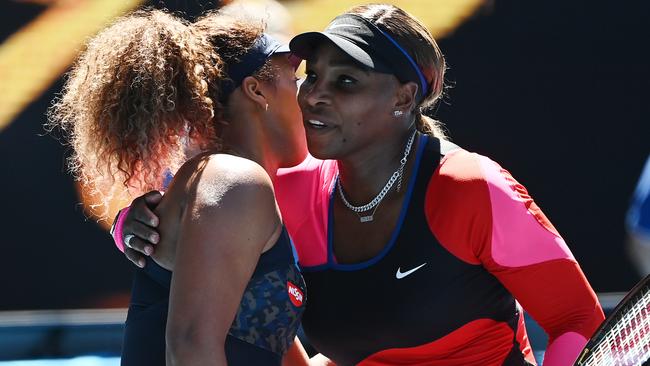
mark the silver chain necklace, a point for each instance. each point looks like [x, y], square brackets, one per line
[397, 175]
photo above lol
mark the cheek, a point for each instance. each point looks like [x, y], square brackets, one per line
[289, 96]
[288, 109]
[302, 93]
[284, 93]
[292, 91]
[302, 105]
[364, 113]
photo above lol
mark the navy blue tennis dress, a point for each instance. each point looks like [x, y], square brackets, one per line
[264, 327]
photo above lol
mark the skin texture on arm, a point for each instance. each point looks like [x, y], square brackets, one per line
[297, 356]
[229, 219]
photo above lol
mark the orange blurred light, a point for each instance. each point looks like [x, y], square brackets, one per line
[36, 55]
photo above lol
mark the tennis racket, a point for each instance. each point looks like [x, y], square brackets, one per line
[623, 339]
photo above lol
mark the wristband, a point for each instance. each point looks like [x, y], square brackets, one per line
[118, 227]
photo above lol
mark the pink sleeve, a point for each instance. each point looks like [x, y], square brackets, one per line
[512, 238]
[302, 193]
[527, 254]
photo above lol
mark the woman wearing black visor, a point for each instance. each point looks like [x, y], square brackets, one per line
[414, 251]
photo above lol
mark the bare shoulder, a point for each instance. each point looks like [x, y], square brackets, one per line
[225, 196]
[219, 180]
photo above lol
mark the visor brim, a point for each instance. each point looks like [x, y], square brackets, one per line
[305, 44]
[283, 48]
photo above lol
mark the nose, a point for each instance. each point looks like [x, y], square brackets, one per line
[313, 94]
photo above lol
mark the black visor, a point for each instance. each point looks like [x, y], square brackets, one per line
[367, 44]
[248, 64]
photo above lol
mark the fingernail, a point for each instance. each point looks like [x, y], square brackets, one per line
[155, 238]
[141, 263]
[148, 250]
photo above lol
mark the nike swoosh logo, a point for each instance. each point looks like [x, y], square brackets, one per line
[399, 274]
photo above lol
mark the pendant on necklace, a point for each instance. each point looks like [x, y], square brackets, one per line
[366, 218]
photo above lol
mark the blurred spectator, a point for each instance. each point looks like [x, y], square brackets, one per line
[638, 223]
[271, 12]
[274, 14]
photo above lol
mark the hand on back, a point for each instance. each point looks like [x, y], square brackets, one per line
[140, 228]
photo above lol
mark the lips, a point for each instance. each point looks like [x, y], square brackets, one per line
[317, 124]
[321, 134]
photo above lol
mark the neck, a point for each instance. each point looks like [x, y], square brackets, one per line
[243, 137]
[364, 175]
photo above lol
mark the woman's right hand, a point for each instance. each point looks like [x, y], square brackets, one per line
[140, 228]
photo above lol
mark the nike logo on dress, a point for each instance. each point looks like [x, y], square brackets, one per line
[399, 274]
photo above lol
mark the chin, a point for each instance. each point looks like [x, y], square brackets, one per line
[293, 158]
[323, 146]
[321, 153]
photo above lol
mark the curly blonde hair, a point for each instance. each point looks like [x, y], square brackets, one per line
[134, 99]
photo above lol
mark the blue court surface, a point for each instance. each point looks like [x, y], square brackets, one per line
[94, 337]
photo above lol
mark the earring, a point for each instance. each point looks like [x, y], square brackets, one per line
[397, 113]
[266, 107]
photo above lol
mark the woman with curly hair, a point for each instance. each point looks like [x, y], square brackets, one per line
[147, 90]
[415, 251]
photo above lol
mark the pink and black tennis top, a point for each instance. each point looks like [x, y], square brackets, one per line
[471, 248]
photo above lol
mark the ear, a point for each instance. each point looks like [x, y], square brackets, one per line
[406, 97]
[252, 89]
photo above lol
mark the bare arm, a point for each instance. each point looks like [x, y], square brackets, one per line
[297, 356]
[224, 229]
[320, 360]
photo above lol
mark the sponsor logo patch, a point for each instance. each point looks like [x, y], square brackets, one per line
[295, 295]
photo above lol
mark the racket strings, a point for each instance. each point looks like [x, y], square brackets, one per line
[627, 341]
